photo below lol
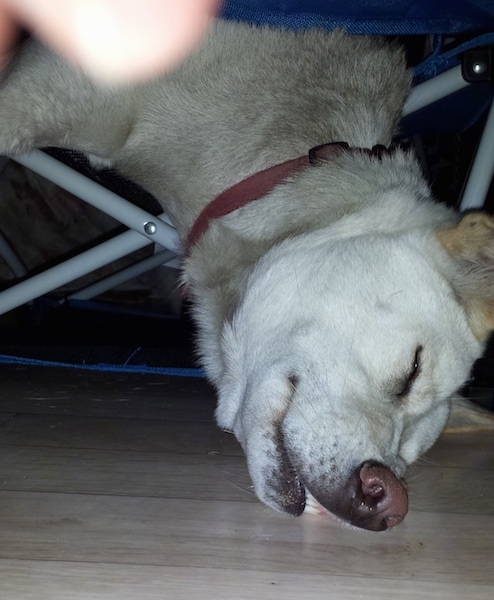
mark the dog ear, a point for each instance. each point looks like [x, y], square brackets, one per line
[471, 245]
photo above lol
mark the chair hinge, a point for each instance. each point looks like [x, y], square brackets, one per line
[477, 65]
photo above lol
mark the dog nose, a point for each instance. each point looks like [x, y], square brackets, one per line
[380, 501]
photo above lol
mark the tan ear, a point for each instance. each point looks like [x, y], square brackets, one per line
[471, 244]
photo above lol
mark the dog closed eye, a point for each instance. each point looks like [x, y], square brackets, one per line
[415, 370]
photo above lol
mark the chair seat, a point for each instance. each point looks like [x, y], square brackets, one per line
[371, 17]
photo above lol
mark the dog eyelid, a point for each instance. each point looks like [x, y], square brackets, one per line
[293, 381]
[412, 374]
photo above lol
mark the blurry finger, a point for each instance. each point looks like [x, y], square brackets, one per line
[119, 39]
[8, 33]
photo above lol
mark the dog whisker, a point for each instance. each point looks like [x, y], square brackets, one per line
[244, 490]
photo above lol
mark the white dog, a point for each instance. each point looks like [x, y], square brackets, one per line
[338, 306]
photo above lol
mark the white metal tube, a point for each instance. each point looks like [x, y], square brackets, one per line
[71, 269]
[434, 89]
[122, 276]
[482, 170]
[88, 190]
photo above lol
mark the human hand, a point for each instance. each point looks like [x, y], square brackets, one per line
[116, 40]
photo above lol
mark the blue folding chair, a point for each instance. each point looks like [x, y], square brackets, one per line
[460, 60]
[461, 34]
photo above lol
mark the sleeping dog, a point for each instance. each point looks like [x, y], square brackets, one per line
[338, 306]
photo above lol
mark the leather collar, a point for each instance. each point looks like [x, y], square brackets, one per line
[261, 183]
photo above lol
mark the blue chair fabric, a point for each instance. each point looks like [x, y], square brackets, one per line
[370, 17]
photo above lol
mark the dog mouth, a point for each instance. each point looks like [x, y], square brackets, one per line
[371, 498]
[287, 490]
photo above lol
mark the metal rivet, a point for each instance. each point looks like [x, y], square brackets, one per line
[150, 228]
[479, 67]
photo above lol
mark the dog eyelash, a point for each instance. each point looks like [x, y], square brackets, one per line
[413, 374]
[293, 381]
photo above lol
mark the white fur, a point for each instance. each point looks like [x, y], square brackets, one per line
[312, 302]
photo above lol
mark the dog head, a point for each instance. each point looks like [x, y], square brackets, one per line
[342, 357]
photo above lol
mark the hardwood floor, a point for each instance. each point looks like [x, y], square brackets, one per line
[117, 486]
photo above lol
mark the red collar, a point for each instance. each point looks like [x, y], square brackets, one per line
[261, 183]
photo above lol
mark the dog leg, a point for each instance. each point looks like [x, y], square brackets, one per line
[45, 101]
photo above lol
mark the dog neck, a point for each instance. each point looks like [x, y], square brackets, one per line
[261, 183]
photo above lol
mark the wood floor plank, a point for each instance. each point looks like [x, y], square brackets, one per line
[153, 474]
[20, 580]
[207, 476]
[113, 495]
[457, 471]
[430, 547]
[5, 416]
[467, 450]
[117, 434]
[450, 490]
[39, 390]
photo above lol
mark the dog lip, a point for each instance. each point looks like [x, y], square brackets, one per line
[290, 497]
[288, 491]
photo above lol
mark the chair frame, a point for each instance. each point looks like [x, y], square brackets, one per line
[145, 228]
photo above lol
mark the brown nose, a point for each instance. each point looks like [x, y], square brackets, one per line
[380, 501]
